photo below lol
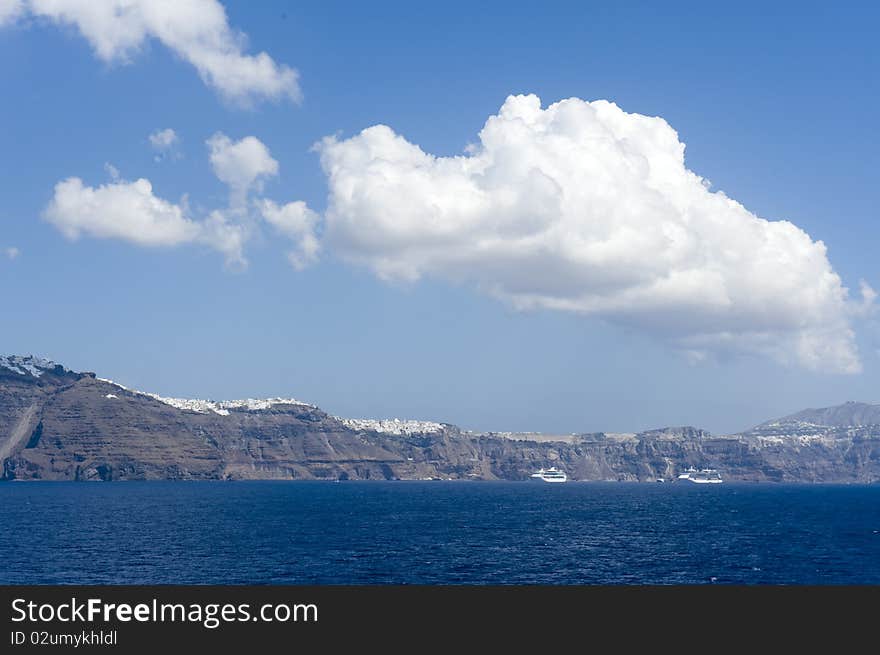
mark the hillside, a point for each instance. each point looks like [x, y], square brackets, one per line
[849, 414]
[58, 424]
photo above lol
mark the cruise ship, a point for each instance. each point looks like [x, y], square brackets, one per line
[551, 474]
[703, 476]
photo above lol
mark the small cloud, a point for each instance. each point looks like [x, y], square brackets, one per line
[112, 171]
[164, 139]
[298, 223]
[695, 357]
[165, 143]
[869, 297]
[241, 165]
[11, 252]
[130, 211]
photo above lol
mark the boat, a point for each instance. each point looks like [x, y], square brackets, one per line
[551, 474]
[703, 476]
[686, 476]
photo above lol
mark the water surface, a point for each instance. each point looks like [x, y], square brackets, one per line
[437, 533]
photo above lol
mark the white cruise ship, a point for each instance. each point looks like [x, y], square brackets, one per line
[703, 476]
[551, 474]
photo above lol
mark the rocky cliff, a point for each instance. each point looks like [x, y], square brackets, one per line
[57, 424]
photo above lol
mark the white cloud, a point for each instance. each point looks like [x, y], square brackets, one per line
[111, 170]
[242, 165]
[868, 305]
[196, 30]
[162, 140]
[585, 208]
[296, 221]
[11, 252]
[226, 236]
[165, 143]
[10, 10]
[130, 211]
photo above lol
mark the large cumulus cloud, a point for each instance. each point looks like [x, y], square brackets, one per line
[585, 208]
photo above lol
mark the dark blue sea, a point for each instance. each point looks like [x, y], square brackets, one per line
[437, 533]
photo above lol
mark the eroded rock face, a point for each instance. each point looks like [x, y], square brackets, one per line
[57, 424]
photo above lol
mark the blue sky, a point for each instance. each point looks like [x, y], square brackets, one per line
[777, 108]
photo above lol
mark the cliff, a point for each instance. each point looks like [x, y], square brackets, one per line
[57, 424]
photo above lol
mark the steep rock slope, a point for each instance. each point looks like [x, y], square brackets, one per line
[57, 424]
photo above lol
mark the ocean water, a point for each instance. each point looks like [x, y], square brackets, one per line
[437, 533]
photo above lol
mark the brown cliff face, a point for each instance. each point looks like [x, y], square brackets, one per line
[92, 429]
[62, 425]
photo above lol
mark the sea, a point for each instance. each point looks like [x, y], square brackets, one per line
[438, 533]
